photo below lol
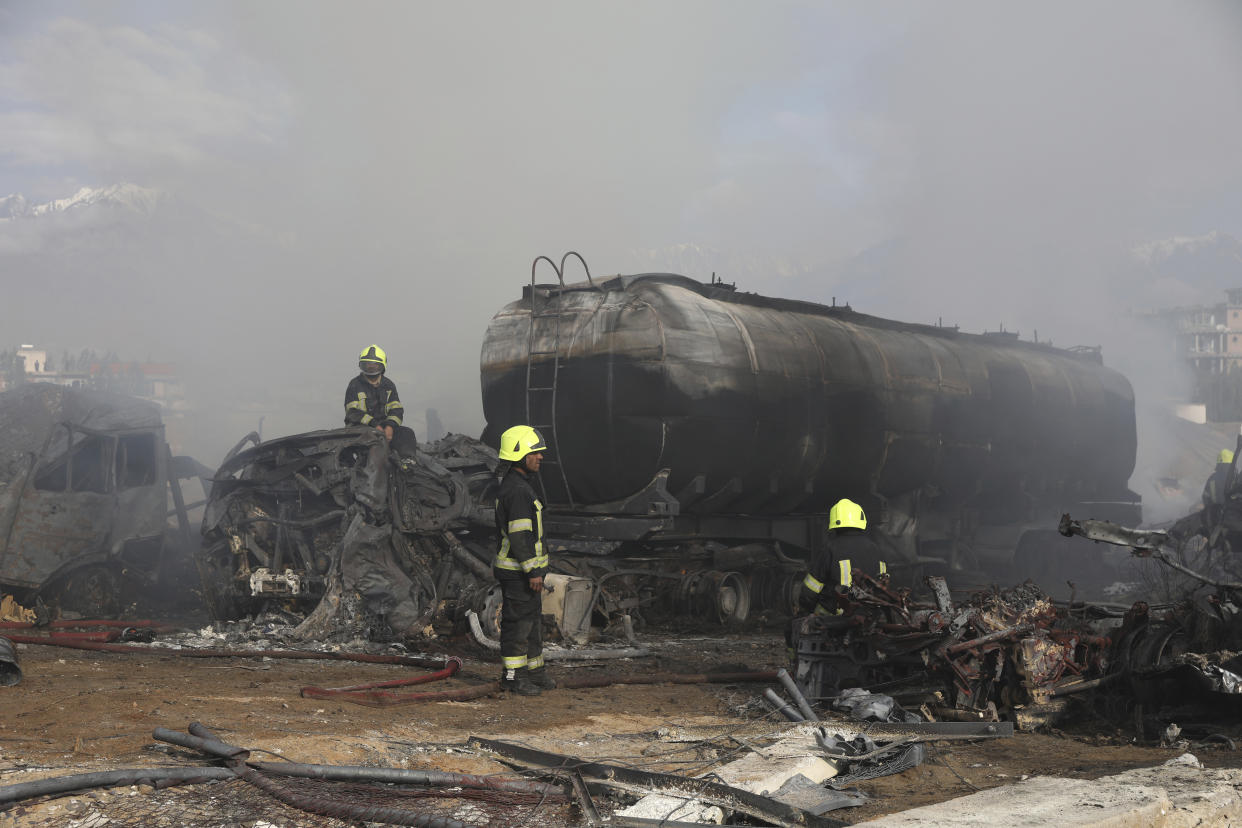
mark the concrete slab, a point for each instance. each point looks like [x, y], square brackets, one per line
[780, 762]
[1175, 795]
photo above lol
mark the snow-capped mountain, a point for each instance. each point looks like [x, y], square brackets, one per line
[1201, 267]
[125, 196]
[1216, 245]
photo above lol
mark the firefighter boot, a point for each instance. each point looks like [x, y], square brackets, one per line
[518, 682]
[540, 678]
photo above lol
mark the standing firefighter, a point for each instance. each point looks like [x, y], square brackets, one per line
[1214, 494]
[371, 399]
[848, 546]
[520, 564]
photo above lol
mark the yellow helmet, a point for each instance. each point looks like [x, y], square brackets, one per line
[1226, 456]
[373, 360]
[519, 441]
[846, 514]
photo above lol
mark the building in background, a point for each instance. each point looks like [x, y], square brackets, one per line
[1208, 338]
[34, 360]
[154, 381]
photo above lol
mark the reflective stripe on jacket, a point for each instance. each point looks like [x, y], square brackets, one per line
[519, 521]
[371, 405]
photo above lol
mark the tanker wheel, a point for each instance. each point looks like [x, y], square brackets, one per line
[732, 598]
[90, 592]
[489, 616]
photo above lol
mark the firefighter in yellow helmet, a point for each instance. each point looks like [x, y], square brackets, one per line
[520, 564]
[371, 400]
[848, 546]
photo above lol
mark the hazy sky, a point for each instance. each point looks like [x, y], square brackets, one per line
[379, 171]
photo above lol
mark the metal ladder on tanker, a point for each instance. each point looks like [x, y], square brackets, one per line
[543, 419]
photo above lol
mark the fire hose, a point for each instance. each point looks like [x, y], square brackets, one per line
[101, 622]
[202, 739]
[378, 698]
[377, 689]
[77, 642]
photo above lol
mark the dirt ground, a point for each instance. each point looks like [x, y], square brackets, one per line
[77, 711]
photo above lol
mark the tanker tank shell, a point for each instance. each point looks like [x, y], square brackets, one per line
[784, 406]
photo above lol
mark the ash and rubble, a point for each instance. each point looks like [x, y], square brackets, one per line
[318, 543]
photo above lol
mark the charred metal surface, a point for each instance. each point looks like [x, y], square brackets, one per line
[288, 516]
[996, 653]
[327, 523]
[1187, 650]
[10, 673]
[812, 401]
[85, 478]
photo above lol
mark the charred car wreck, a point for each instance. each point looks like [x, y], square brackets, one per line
[87, 490]
[324, 515]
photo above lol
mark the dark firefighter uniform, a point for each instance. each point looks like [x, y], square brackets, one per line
[848, 546]
[372, 405]
[845, 550]
[519, 520]
[377, 404]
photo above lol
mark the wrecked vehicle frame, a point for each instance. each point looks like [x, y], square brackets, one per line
[85, 482]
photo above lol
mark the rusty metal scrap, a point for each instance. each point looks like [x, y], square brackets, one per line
[998, 651]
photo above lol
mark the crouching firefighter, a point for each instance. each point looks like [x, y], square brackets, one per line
[848, 546]
[520, 564]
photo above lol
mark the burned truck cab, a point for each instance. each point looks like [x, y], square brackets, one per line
[84, 498]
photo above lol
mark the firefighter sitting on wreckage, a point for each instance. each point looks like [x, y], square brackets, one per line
[520, 564]
[371, 400]
[848, 546]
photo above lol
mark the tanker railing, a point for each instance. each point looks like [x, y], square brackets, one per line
[551, 310]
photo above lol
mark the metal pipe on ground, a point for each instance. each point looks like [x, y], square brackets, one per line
[351, 773]
[158, 777]
[324, 806]
[781, 706]
[10, 673]
[205, 744]
[804, 707]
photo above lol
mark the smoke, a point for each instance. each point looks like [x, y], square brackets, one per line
[340, 174]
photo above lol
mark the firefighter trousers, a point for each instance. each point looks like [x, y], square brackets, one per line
[521, 633]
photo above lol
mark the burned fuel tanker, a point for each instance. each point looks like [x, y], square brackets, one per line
[678, 412]
[697, 437]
